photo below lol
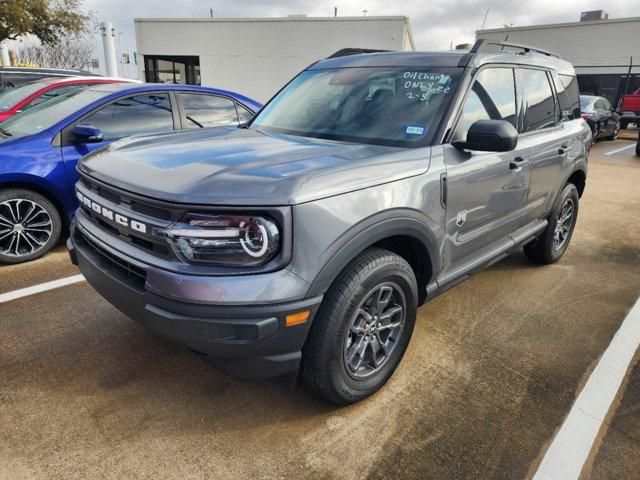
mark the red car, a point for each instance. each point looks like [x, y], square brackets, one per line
[26, 96]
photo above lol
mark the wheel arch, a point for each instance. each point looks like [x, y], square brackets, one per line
[402, 232]
[28, 183]
[579, 178]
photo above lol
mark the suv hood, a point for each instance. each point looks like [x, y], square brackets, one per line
[234, 166]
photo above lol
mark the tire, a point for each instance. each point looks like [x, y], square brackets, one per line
[638, 146]
[330, 357]
[22, 241]
[624, 124]
[548, 248]
[616, 130]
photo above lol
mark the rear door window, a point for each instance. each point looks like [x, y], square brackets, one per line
[491, 97]
[540, 105]
[202, 110]
[137, 115]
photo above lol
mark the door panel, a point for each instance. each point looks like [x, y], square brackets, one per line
[485, 200]
[546, 135]
[485, 193]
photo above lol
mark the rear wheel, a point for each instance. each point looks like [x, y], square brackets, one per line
[624, 124]
[556, 237]
[362, 329]
[30, 225]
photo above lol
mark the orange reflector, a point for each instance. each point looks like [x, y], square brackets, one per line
[297, 318]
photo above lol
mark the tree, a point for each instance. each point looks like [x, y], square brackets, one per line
[49, 20]
[73, 52]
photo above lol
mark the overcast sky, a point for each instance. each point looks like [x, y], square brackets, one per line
[435, 23]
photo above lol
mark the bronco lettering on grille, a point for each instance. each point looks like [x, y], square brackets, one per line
[111, 215]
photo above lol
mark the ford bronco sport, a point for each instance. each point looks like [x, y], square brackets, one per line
[307, 238]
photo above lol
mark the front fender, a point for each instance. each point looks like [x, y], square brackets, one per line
[390, 223]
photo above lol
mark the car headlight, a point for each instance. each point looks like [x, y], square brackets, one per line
[224, 240]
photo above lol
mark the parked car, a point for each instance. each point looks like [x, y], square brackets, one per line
[630, 109]
[602, 119]
[12, 77]
[368, 185]
[29, 95]
[39, 149]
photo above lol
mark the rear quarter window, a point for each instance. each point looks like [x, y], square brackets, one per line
[568, 96]
[540, 105]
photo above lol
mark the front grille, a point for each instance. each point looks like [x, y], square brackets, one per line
[129, 206]
[121, 198]
[131, 275]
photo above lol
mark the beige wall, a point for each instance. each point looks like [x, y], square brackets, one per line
[257, 57]
[585, 44]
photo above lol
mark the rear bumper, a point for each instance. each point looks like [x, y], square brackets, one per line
[244, 341]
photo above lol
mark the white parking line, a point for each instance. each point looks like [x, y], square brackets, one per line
[42, 287]
[622, 149]
[570, 448]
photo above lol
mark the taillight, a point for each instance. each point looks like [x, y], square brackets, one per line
[586, 116]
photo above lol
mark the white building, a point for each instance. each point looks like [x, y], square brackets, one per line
[600, 50]
[255, 56]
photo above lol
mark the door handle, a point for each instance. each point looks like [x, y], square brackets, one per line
[563, 149]
[517, 163]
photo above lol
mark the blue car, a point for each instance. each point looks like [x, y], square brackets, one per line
[39, 149]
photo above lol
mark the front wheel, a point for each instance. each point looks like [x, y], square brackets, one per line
[362, 329]
[30, 225]
[556, 237]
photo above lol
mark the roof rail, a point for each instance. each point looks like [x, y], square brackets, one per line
[354, 51]
[481, 43]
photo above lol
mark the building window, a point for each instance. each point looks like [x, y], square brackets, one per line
[170, 69]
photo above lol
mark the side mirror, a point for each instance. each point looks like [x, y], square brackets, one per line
[86, 134]
[489, 136]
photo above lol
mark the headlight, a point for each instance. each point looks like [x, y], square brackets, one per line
[224, 240]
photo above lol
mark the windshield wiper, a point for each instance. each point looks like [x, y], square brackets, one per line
[6, 133]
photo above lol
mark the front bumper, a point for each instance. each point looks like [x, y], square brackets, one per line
[245, 341]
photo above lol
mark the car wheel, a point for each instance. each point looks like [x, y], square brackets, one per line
[624, 124]
[556, 237]
[638, 147]
[362, 329]
[616, 130]
[30, 225]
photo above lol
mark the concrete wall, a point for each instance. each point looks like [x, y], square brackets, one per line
[258, 56]
[592, 47]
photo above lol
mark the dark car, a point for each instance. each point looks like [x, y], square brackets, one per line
[11, 77]
[307, 238]
[599, 114]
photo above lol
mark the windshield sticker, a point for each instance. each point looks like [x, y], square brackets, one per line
[414, 130]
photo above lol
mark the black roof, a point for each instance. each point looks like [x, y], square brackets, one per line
[476, 57]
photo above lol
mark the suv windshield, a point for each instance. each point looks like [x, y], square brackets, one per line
[397, 106]
[48, 113]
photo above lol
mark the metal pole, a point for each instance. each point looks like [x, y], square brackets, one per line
[626, 86]
[485, 19]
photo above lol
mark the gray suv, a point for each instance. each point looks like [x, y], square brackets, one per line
[306, 239]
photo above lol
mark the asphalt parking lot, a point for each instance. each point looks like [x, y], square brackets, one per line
[493, 368]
